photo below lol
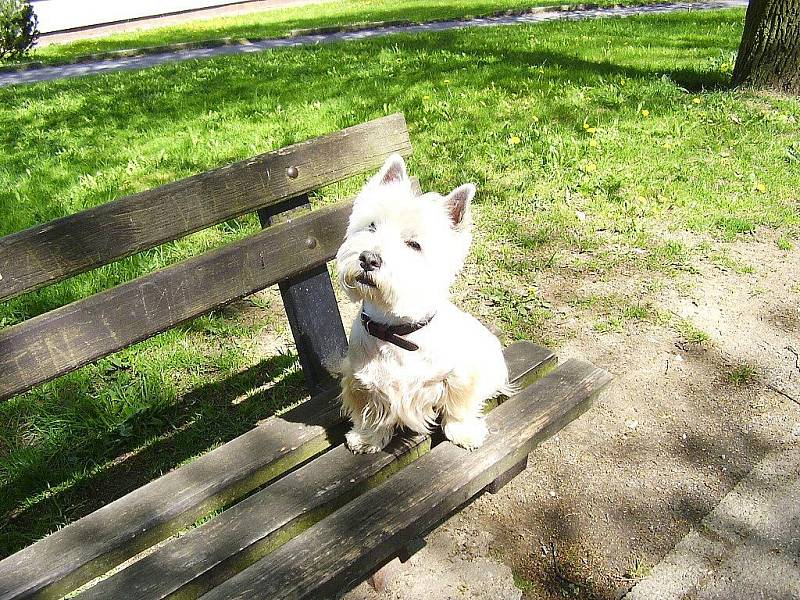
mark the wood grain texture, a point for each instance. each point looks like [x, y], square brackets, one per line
[204, 557]
[91, 546]
[345, 547]
[96, 543]
[194, 563]
[64, 339]
[53, 251]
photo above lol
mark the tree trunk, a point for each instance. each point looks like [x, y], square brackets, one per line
[769, 55]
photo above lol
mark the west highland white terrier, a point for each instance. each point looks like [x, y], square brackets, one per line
[413, 356]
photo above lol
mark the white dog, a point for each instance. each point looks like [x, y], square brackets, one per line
[413, 356]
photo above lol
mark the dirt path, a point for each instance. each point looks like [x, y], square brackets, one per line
[682, 424]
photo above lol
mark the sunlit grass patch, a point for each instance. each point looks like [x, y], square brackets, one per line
[741, 375]
[691, 334]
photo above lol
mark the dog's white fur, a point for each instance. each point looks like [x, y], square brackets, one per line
[459, 364]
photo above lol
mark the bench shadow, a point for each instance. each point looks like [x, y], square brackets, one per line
[562, 556]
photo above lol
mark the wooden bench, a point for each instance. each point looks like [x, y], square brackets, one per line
[292, 527]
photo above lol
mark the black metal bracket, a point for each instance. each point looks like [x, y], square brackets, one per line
[312, 311]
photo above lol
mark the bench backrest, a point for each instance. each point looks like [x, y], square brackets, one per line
[292, 254]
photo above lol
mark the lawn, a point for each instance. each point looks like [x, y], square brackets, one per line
[597, 147]
[281, 22]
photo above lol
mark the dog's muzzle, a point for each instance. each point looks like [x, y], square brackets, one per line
[366, 279]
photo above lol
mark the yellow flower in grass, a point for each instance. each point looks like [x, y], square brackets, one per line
[426, 97]
[514, 140]
[590, 167]
[593, 143]
[645, 113]
[696, 100]
[761, 187]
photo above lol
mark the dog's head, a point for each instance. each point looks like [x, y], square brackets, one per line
[403, 251]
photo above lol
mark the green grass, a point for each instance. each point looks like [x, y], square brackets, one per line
[639, 568]
[741, 375]
[526, 585]
[281, 22]
[725, 262]
[692, 334]
[468, 95]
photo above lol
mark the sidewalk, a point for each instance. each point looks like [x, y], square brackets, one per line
[141, 62]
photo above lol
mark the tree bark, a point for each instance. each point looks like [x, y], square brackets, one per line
[769, 55]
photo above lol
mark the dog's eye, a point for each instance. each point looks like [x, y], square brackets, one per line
[371, 226]
[414, 245]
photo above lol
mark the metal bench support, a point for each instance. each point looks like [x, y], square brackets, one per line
[312, 311]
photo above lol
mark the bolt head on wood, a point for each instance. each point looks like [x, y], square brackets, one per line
[292, 172]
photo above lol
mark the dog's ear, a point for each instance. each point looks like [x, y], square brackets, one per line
[457, 203]
[392, 171]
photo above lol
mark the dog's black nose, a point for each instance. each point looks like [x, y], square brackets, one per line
[370, 261]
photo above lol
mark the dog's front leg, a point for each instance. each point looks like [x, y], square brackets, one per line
[362, 440]
[366, 436]
[462, 414]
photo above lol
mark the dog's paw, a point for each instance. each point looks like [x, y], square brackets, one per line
[468, 434]
[361, 444]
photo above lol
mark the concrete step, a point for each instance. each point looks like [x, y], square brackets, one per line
[747, 547]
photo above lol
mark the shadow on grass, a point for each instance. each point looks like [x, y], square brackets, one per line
[149, 445]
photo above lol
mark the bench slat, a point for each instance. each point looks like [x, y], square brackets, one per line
[206, 556]
[68, 558]
[192, 564]
[345, 547]
[64, 339]
[89, 547]
[53, 251]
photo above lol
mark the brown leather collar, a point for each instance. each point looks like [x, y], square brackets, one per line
[392, 333]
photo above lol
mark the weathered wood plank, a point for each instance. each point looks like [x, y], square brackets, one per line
[98, 542]
[528, 362]
[345, 547]
[505, 478]
[310, 304]
[91, 546]
[53, 251]
[194, 563]
[64, 339]
[204, 557]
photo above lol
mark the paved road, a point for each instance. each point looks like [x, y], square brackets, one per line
[58, 15]
[122, 64]
[56, 23]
